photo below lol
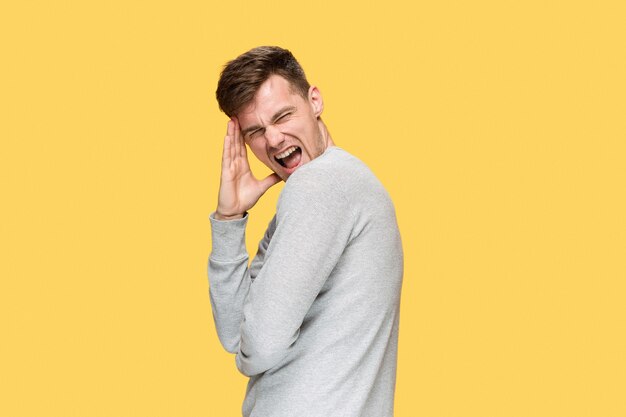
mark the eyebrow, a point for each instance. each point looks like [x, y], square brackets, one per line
[274, 118]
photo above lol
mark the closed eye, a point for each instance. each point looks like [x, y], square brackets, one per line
[255, 133]
[283, 117]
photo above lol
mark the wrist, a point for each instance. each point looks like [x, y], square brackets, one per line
[219, 216]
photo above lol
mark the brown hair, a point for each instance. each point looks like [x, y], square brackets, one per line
[241, 78]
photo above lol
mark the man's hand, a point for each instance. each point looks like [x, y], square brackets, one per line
[239, 189]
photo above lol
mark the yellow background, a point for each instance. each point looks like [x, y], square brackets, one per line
[498, 128]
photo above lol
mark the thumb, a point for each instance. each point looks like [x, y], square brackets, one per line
[269, 181]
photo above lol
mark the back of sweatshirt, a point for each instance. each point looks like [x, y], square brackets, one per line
[313, 320]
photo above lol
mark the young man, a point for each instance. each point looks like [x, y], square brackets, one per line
[313, 320]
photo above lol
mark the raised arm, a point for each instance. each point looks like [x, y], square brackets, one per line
[229, 277]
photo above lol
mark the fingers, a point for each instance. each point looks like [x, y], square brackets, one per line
[241, 148]
[269, 181]
[227, 150]
[235, 136]
[234, 147]
[244, 149]
[230, 128]
[230, 131]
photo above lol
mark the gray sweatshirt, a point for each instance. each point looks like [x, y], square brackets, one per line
[313, 320]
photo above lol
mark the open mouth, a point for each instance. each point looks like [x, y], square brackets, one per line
[289, 158]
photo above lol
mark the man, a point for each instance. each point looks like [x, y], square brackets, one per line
[313, 320]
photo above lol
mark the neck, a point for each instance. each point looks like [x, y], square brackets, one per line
[326, 138]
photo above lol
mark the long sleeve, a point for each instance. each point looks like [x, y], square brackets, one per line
[314, 320]
[230, 277]
[313, 227]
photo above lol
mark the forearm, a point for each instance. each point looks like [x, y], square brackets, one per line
[229, 279]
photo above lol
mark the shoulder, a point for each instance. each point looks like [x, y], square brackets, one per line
[334, 170]
[334, 187]
[321, 181]
[336, 179]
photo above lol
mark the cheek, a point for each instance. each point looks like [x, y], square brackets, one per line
[299, 128]
[295, 124]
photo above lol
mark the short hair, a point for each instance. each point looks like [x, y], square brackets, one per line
[241, 78]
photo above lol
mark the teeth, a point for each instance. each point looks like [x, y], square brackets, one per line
[286, 153]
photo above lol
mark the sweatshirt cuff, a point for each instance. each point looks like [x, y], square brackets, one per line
[228, 238]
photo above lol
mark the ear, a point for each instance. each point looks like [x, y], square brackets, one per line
[316, 101]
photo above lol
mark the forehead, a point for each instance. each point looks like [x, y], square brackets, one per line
[273, 94]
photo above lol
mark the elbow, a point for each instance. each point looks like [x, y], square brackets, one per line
[256, 362]
[257, 356]
[230, 346]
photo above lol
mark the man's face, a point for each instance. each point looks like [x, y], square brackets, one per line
[281, 127]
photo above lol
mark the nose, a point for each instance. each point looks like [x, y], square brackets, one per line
[273, 136]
